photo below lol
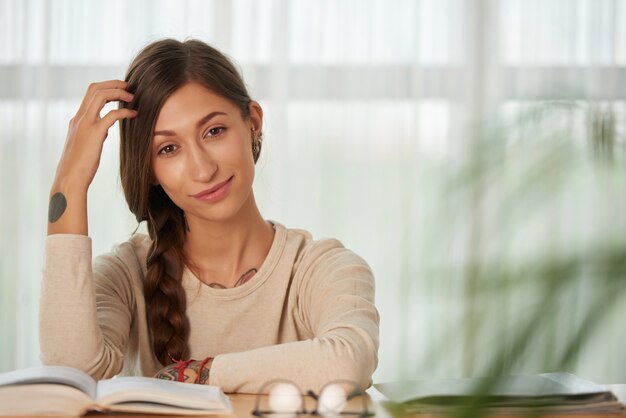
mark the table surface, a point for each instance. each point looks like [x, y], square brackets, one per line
[244, 405]
[378, 403]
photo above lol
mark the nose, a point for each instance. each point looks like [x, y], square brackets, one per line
[201, 163]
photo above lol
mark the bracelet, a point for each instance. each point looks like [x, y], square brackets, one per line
[180, 367]
[202, 364]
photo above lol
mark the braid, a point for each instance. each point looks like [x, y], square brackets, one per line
[163, 291]
[158, 70]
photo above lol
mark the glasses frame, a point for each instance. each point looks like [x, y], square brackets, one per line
[315, 411]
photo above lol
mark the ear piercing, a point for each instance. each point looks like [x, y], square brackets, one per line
[256, 145]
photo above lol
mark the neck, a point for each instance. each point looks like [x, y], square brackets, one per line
[220, 252]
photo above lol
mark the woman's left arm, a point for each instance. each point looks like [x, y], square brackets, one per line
[336, 303]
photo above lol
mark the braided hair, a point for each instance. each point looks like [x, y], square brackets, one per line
[156, 72]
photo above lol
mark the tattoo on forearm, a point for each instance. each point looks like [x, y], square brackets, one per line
[57, 207]
[167, 374]
[204, 374]
[190, 374]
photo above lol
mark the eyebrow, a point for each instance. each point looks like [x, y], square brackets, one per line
[202, 121]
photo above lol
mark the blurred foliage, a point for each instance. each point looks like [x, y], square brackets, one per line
[541, 204]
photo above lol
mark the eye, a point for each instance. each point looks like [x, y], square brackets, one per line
[213, 132]
[164, 151]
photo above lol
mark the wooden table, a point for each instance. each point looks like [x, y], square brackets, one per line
[244, 405]
[378, 403]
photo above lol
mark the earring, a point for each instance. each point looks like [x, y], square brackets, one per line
[256, 145]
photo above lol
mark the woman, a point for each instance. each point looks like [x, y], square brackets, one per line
[215, 294]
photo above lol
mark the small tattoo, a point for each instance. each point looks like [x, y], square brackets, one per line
[190, 374]
[204, 376]
[166, 374]
[217, 286]
[246, 277]
[57, 207]
[204, 373]
[243, 279]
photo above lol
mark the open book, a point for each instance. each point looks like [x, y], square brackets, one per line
[57, 390]
[554, 393]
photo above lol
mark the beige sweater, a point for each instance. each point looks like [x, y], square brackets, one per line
[307, 315]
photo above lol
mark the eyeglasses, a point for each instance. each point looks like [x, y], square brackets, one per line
[280, 398]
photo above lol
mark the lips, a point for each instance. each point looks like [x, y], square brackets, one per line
[216, 192]
[212, 189]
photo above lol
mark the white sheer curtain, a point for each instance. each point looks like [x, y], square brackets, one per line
[366, 103]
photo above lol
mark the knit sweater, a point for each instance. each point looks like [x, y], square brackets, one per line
[307, 315]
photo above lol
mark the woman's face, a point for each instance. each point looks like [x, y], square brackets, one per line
[202, 143]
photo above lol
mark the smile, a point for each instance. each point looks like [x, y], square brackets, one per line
[215, 193]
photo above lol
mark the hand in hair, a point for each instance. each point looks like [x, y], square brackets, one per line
[190, 373]
[87, 132]
[67, 212]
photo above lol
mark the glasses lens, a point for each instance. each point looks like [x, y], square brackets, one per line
[335, 400]
[283, 400]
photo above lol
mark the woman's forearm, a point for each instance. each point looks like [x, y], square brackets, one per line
[67, 211]
[85, 307]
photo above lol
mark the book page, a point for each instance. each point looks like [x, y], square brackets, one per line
[51, 374]
[156, 391]
[150, 408]
[43, 399]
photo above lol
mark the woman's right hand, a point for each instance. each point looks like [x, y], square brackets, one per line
[87, 132]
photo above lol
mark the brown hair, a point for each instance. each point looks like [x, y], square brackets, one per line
[157, 71]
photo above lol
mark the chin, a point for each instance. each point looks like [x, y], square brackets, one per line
[224, 211]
